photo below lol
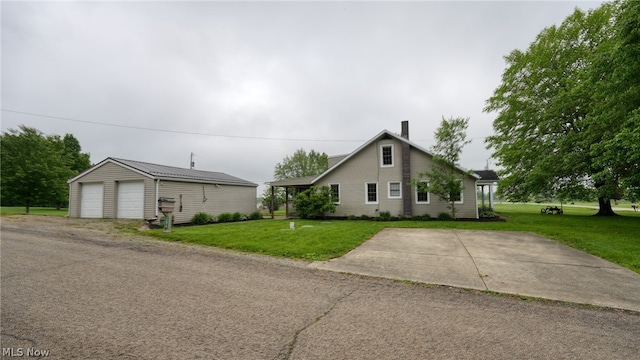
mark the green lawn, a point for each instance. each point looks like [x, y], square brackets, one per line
[20, 210]
[616, 239]
[312, 240]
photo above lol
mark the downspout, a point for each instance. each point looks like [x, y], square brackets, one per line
[70, 200]
[157, 196]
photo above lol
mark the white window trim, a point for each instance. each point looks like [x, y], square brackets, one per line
[428, 196]
[339, 193]
[389, 189]
[393, 154]
[366, 193]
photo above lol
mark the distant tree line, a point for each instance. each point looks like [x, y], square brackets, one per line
[35, 167]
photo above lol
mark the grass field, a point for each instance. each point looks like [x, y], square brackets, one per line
[20, 210]
[616, 239]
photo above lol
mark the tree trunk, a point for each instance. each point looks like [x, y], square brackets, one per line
[605, 207]
[27, 209]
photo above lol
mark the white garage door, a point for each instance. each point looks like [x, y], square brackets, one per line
[91, 200]
[131, 200]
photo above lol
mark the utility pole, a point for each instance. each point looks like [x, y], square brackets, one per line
[191, 163]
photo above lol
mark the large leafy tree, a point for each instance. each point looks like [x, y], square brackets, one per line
[552, 132]
[35, 167]
[445, 179]
[615, 83]
[77, 161]
[301, 164]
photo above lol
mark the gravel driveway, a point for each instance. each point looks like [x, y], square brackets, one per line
[77, 289]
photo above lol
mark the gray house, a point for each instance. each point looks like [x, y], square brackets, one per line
[377, 176]
[127, 189]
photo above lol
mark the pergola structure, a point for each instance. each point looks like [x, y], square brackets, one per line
[297, 185]
[487, 178]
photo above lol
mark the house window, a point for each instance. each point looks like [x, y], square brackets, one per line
[371, 193]
[422, 195]
[335, 193]
[386, 155]
[457, 198]
[395, 190]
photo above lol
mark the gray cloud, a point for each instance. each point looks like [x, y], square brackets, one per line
[292, 70]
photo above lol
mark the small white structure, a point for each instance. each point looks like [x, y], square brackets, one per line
[487, 178]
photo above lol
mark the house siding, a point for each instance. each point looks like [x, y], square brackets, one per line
[421, 163]
[219, 199]
[364, 167]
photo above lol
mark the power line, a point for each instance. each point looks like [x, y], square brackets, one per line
[195, 133]
[172, 131]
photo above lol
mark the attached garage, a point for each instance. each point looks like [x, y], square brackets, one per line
[127, 189]
[91, 200]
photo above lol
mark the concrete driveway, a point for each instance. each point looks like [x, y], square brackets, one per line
[506, 262]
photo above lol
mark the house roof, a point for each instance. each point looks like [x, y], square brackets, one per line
[309, 180]
[382, 134]
[164, 172]
[336, 159]
[302, 181]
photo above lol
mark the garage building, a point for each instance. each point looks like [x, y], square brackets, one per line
[127, 189]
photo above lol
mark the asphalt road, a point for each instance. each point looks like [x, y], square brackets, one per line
[76, 290]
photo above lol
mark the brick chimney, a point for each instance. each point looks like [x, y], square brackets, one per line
[407, 194]
[405, 129]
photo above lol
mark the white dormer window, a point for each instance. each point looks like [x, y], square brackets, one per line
[386, 155]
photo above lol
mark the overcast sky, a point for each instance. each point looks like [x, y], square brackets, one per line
[244, 84]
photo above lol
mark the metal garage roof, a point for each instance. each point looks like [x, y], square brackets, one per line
[164, 172]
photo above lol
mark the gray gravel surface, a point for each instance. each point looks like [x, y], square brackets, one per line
[80, 290]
